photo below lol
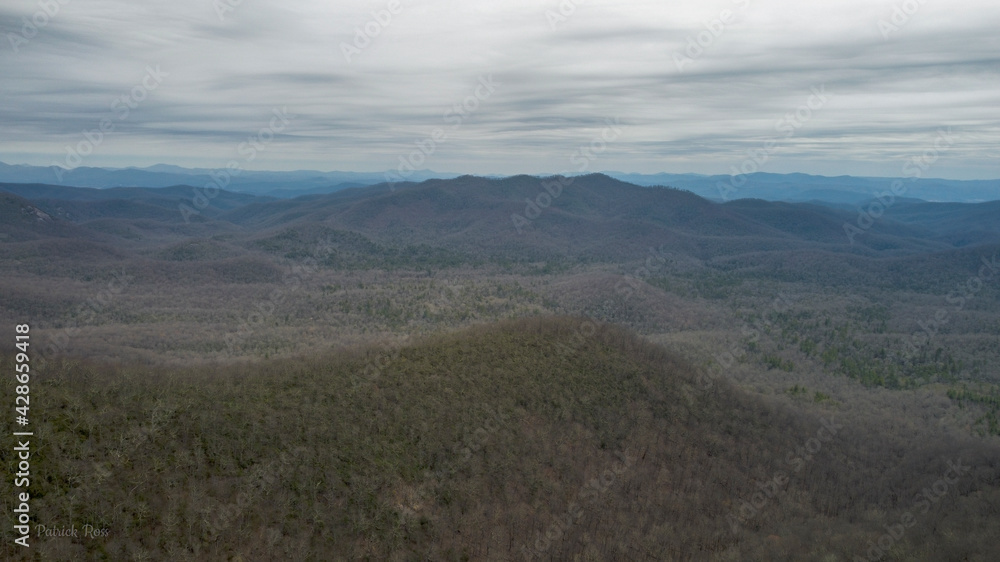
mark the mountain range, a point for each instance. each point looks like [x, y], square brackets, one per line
[518, 220]
[447, 369]
[847, 190]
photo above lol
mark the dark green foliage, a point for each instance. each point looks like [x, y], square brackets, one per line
[986, 398]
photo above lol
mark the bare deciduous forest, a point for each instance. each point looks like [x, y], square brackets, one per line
[399, 374]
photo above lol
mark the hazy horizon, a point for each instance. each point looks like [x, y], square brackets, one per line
[146, 167]
[704, 88]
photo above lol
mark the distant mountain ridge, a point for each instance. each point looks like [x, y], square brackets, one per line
[804, 187]
[470, 221]
[592, 215]
[797, 187]
[277, 184]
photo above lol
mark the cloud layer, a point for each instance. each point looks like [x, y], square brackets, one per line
[696, 86]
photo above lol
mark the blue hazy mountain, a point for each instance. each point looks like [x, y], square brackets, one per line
[275, 184]
[840, 190]
[804, 187]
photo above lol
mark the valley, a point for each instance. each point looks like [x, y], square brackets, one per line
[399, 372]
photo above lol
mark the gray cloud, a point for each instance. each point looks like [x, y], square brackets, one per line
[557, 81]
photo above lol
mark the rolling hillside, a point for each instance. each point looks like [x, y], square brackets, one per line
[519, 441]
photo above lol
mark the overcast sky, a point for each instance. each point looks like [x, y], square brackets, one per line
[201, 76]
